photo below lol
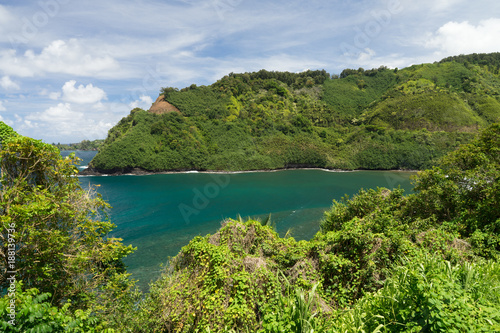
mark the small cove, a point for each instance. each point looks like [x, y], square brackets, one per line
[160, 213]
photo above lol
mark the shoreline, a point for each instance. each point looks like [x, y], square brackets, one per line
[142, 172]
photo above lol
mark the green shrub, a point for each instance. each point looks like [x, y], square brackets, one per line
[35, 313]
[430, 294]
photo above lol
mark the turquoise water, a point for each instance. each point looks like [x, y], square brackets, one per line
[161, 213]
[85, 156]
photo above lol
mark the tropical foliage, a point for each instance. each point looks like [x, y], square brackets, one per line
[54, 239]
[383, 261]
[363, 119]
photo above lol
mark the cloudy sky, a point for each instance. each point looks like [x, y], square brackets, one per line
[69, 70]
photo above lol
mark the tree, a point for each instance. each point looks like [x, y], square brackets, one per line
[463, 192]
[167, 90]
[60, 230]
[6, 132]
[465, 185]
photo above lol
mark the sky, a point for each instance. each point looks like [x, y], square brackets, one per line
[70, 70]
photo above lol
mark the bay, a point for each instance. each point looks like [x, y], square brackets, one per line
[159, 214]
[85, 155]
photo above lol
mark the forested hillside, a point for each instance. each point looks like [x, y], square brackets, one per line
[362, 119]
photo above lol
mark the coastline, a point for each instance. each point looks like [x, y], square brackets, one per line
[142, 172]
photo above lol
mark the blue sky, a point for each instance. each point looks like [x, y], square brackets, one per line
[70, 70]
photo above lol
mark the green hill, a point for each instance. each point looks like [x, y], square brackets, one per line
[362, 119]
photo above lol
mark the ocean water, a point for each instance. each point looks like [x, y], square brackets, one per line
[159, 214]
[84, 155]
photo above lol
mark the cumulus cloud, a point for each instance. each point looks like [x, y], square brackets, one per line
[66, 121]
[59, 57]
[366, 56]
[82, 95]
[463, 38]
[144, 102]
[70, 58]
[62, 113]
[8, 84]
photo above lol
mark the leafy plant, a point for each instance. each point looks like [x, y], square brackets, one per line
[61, 247]
[429, 294]
[35, 313]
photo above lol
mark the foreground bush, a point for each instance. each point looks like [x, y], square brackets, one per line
[54, 236]
[430, 295]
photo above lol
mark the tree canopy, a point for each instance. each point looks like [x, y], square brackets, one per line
[59, 230]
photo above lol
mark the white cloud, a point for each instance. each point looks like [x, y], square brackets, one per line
[67, 122]
[82, 95]
[455, 38]
[7, 121]
[8, 84]
[62, 113]
[2, 107]
[60, 57]
[134, 48]
[54, 95]
[144, 103]
[29, 124]
[366, 56]
[71, 58]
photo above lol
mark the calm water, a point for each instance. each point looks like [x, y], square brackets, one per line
[161, 213]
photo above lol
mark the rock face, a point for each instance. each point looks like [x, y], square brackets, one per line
[161, 106]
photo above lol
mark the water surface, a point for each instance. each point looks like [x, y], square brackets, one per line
[159, 214]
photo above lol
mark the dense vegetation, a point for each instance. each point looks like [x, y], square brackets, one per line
[83, 145]
[362, 119]
[59, 270]
[383, 261]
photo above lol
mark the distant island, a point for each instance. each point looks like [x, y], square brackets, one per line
[83, 145]
[377, 119]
